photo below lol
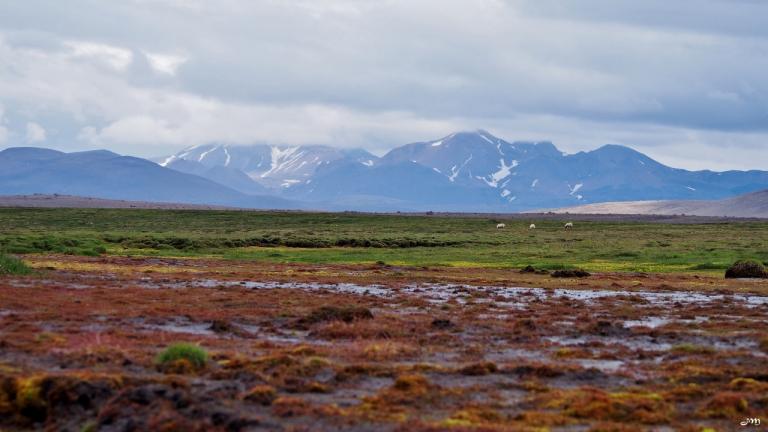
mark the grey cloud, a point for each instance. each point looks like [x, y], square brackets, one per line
[379, 73]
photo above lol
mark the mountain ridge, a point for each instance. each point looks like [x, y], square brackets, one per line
[104, 174]
[466, 171]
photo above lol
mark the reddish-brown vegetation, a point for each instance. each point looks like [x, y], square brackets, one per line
[354, 347]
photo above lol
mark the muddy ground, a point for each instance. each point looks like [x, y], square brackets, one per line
[351, 347]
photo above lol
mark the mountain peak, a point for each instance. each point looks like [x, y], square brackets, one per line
[615, 148]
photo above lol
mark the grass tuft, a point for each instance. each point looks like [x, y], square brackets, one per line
[13, 266]
[183, 352]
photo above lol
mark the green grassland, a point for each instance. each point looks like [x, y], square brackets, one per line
[397, 240]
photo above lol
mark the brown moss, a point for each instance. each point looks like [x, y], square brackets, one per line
[478, 369]
[261, 394]
[542, 419]
[612, 427]
[750, 385]
[346, 314]
[763, 344]
[474, 416]
[178, 366]
[685, 393]
[386, 351]
[597, 404]
[317, 387]
[692, 349]
[725, 405]
[303, 350]
[290, 406]
[413, 384]
[356, 330]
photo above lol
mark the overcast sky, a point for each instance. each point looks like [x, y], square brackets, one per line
[684, 81]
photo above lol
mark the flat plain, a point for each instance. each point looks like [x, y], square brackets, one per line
[334, 321]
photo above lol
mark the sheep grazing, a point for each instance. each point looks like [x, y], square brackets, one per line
[532, 226]
[500, 226]
[569, 225]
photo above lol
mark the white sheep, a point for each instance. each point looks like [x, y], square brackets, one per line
[569, 225]
[501, 225]
[532, 226]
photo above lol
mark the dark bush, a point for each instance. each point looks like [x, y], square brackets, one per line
[442, 323]
[533, 270]
[746, 269]
[572, 273]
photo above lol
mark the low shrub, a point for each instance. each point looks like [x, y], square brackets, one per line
[12, 265]
[571, 273]
[746, 269]
[532, 269]
[709, 266]
[62, 245]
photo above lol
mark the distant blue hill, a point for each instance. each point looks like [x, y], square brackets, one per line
[103, 174]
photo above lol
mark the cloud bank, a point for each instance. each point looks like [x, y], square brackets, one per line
[682, 81]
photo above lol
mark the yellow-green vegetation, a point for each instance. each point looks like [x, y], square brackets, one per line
[12, 265]
[391, 239]
[182, 356]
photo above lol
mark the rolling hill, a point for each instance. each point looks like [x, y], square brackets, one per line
[752, 205]
[103, 174]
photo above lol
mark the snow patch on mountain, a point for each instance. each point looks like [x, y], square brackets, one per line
[289, 182]
[503, 172]
[455, 172]
[282, 159]
[206, 153]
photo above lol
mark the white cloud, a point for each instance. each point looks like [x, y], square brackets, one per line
[112, 56]
[35, 133]
[165, 63]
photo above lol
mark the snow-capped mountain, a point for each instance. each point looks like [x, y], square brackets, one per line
[476, 159]
[274, 167]
[464, 171]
